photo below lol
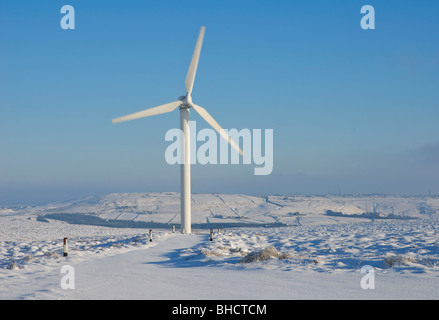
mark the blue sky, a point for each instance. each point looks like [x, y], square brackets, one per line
[353, 110]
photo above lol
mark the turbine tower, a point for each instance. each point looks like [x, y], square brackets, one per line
[184, 103]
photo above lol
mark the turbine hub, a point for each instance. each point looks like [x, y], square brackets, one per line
[187, 101]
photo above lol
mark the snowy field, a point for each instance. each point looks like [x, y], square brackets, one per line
[274, 247]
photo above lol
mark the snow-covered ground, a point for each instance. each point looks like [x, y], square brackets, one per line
[273, 247]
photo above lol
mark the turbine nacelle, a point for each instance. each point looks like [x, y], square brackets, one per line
[187, 101]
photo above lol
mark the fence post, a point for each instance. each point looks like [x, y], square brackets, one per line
[65, 247]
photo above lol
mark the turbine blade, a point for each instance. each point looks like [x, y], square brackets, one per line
[212, 122]
[149, 112]
[190, 77]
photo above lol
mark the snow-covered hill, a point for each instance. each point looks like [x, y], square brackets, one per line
[311, 247]
[209, 210]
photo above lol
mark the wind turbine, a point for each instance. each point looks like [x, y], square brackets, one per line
[184, 103]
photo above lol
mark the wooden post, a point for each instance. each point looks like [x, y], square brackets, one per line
[65, 247]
